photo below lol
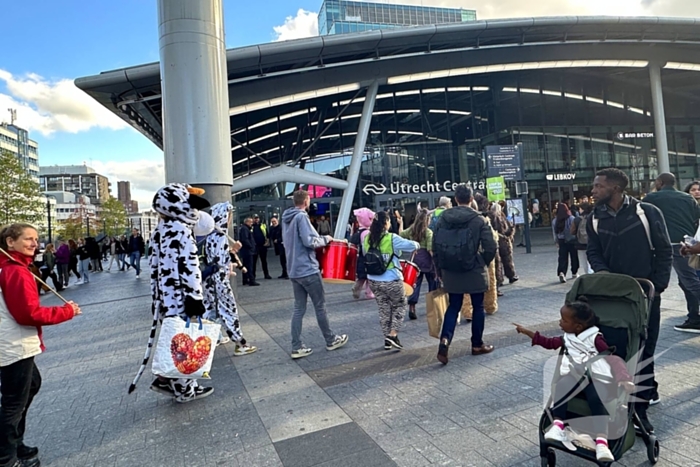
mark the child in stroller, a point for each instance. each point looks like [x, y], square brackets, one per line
[583, 345]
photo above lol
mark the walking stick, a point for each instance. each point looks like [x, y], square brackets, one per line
[37, 278]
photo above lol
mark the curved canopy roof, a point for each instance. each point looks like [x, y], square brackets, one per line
[283, 86]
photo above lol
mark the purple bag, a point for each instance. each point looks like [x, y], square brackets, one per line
[424, 261]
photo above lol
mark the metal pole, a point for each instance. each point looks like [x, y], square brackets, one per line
[193, 66]
[526, 217]
[48, 213]
[657, 98]
[356, 161]
[87, 221]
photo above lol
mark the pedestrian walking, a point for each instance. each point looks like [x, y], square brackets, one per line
[364, 218]
[63, 260]
[83, 260]
[278, 245]
[419, 232]
[93, 249]
[137, 248]
[47, 269]
[578, 229]
[463, 247]
[626, 236]
[300, 242]
[565, 241]
[247, 252]
[114, 246]
[382, 250]
[262, 242]
[21, 319]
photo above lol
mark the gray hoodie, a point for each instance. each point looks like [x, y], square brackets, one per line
[300, 242]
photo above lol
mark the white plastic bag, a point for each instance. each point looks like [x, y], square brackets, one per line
[185, 349]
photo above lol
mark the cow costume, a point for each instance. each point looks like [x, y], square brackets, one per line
[218, 295]
[176, 281]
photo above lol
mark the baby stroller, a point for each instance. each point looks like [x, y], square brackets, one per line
[622, 304]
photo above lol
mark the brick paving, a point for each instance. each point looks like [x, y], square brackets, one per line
[354, 406]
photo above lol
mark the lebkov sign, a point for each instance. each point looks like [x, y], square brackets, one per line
[397, 188]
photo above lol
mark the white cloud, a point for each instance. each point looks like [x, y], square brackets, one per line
[146, 177]
[48, 106]
[304, 24]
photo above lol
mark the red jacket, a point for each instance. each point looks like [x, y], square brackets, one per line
[22, 297]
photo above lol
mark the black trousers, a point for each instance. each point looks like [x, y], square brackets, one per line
[45, 274]
[566, 251]
[650, 348]
[247, 260]
[19, 383]
[261, 252]
[283, 262]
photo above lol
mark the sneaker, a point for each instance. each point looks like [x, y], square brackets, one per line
[513, 279]
[562, 278]
[338, 342]
[574, 276]
[555, 433]
[355, 294]
[301, 353]
[26, 453]
[442, 351]
[199, 392]
[244, 350]
[137, 276]
[394, 342]
[603, 454]
[387, 344]
[688, 326]
[33, 462]
[162, 386]
[648, 427]
[223, 340]
[655, 398]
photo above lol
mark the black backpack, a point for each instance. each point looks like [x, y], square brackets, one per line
[374, 260]
[456, 248]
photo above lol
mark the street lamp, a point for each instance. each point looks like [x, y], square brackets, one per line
[87, 222]
[48, 213]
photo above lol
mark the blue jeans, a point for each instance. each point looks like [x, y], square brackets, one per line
[430, 278]
[84, 267]
[478, 318]
[309, 286]
[135, 260]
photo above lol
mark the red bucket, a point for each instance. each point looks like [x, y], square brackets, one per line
[334, 261]
[351, 264]
[410, 275]
[320, 257]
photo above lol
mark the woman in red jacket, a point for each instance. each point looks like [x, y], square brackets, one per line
[21, 318]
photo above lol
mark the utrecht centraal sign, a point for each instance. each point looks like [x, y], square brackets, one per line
[397, 188]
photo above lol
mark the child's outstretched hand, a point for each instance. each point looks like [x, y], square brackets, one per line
[628, 386]
[523, 330]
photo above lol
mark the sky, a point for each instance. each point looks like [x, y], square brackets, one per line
[46, 44]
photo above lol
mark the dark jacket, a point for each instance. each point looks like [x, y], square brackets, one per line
[260, 235]
[621, 245]
[680, 211]
[63, 254]
[118, 247]
[476, 280]
[276, 238]
[93, 248]
[245, 236]
[83, 252]
[136, 244]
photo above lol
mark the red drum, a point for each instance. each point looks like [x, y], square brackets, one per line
[320, 256]
[334, 261]
[351, 264]
[410, 276]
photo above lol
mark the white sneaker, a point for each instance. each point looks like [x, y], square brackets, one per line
[338, 342]
[223, 340]
[244, 350]
[574, 276]
[603, 454]
[562, 278]
[301, 353]
[555, 434]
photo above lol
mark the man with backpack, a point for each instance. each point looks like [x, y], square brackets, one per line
[626, 236]
[463, 247]
[578, 229]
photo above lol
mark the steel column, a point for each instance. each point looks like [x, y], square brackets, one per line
[356, 161]
[657, 98]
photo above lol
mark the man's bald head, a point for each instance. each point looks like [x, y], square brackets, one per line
[666, 179]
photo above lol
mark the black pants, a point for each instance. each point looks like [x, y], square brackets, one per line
[247, 260]
[649, 349]
[45, 274]
[283, 261]
[566, 251]
[261, 252]
[19, 383]
[563, 392]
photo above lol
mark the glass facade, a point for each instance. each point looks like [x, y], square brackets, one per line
[344, 16]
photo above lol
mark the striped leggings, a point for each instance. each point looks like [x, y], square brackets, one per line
[391, 300]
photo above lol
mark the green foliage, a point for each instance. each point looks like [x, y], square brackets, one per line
[113, 218]
[20, 195]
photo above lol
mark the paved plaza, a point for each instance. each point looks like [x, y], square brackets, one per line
[356, 406]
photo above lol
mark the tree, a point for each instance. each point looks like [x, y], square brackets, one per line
[20, 195]
[76, 226]
[113, 218]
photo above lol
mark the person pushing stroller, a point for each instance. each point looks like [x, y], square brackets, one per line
[583, 342]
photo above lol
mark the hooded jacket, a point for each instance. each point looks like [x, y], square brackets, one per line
[63, 254]
[21, 314]
[477, 279]
[300, 242]
[175, 275]
[217, 244]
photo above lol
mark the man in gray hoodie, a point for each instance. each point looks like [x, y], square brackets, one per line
[300, 241]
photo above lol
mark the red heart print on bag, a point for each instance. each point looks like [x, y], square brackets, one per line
[188, 355]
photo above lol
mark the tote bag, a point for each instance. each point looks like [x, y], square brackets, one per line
[185, 349]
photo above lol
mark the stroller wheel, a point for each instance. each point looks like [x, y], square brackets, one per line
[550, 460]
[653, 449]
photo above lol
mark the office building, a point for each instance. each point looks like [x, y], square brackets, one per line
[346, 16]
[124, 195]
[16, 140]
[79, 179]
[145, 221]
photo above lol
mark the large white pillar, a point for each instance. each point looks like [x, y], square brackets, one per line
[196, 126]
[657, 99]
[356, 161]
